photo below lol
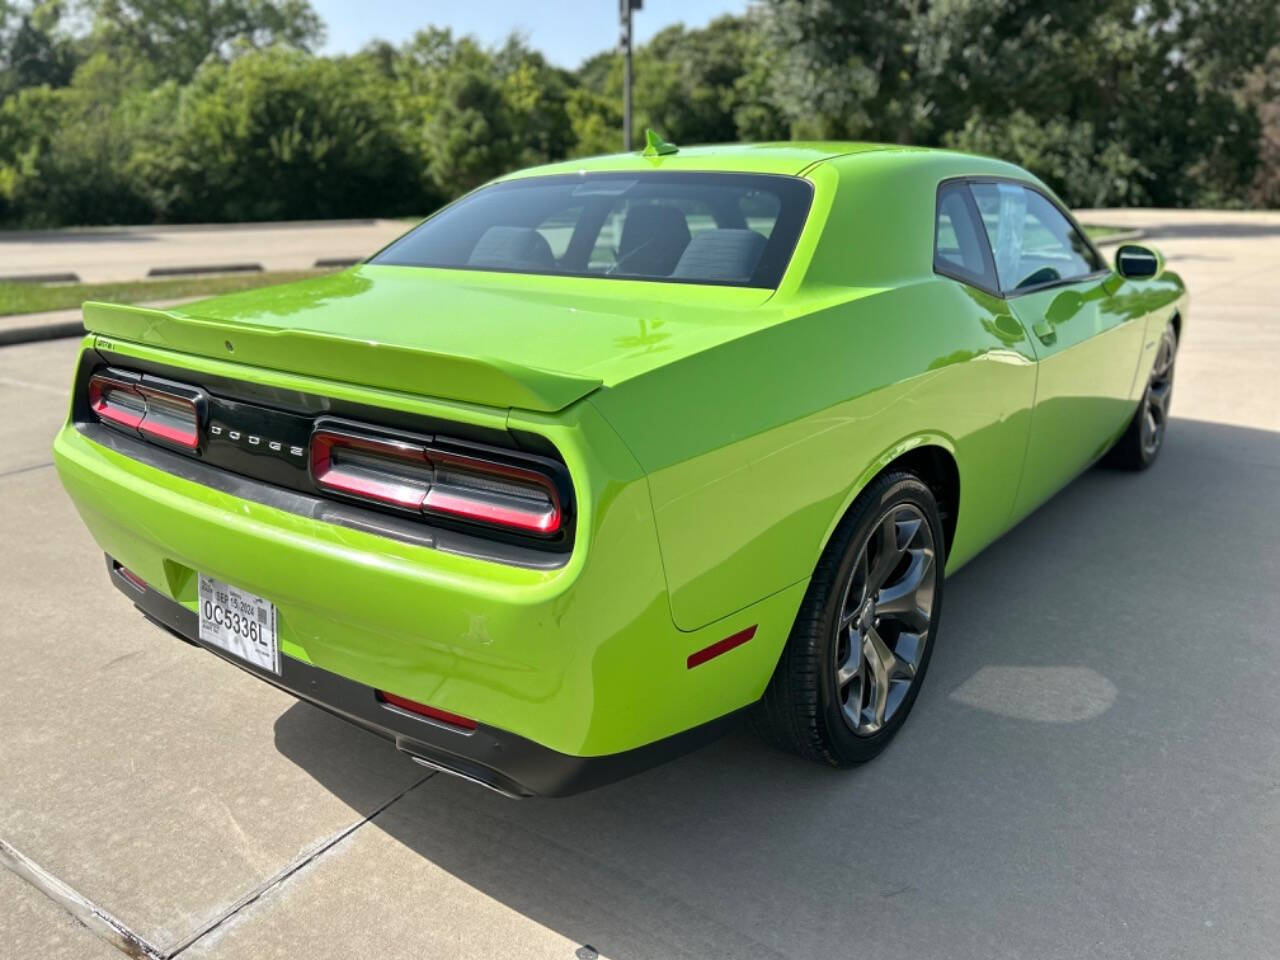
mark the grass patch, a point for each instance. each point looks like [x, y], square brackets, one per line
[36, 298]
[1097, 232]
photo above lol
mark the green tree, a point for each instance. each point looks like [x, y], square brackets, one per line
[1263, 89]
[849, 69]
[1109, 100]
[176, 36]
[475, 113]
[65, 154]
[470, 137]
[278, 135]
[694, 86]
[35, 47]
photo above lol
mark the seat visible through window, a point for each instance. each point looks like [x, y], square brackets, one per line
[725, 255]
[654, 236]
[512, 248]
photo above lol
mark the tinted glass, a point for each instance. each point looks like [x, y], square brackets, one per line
[1032, 242]
[959, 247]
[736, 229]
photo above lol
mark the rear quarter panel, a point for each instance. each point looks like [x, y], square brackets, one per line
[755, 449]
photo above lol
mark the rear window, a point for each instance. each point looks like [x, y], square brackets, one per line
[719, 228]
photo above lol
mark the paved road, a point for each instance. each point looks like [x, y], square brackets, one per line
[128, 253]
[1093, 768]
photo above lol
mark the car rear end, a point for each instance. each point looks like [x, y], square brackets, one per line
[390, 491]
[479, 585]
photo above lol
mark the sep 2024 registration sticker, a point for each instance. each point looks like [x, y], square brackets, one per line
[238, 622]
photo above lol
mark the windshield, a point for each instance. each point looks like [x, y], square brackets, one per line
[721, 228]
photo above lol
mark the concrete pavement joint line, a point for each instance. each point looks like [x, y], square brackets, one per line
[275, 881]
[100, 923]
[34, 466]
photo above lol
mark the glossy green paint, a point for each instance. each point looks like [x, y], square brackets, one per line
[715, 436]
[575, 658]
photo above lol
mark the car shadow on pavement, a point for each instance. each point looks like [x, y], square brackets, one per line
[1076, 773]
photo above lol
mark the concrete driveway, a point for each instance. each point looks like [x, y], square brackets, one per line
[1093, 768]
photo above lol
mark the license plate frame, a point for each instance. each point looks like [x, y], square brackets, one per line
[238, 622]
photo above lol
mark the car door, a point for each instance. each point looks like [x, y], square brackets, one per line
[992, 389]
[1086, 345]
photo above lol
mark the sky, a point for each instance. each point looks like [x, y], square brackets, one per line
[567, 32]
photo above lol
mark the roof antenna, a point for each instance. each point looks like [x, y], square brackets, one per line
[655, 146]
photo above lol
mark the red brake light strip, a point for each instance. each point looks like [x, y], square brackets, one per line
[362, 481]
[100, 390]
[162, 415]
[378, 481]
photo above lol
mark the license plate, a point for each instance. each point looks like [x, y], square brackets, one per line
[239, 623]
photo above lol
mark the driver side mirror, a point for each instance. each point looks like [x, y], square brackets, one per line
[1136, 262]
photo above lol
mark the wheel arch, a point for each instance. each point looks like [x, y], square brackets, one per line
[929, 456]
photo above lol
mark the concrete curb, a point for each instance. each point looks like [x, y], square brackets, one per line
[61, 324]
[196, 270]
[45, 331]
[42, 278]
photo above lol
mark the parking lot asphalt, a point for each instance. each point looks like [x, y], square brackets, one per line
[1092, 769]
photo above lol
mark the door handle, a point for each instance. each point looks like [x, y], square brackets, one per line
[1044, 330]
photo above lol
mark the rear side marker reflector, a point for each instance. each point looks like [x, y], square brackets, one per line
[721, 646]
[422, 710]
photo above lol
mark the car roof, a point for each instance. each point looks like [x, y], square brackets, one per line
[785, 157]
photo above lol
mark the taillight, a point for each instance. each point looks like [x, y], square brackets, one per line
[493, 493]
[420, 479]
[116, 400]
[168, 414]
[171, 418]
[387, 471]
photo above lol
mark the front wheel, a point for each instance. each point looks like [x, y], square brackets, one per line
[861, 643]
[1141, 441]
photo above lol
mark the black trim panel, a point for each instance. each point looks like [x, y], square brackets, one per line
[502, 761]
[261, 453]
[321, 508]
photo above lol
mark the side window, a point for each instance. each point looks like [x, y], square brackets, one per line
[959, 247]
[1031, 240]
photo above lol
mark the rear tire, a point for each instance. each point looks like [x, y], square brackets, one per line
[1142, 440]
[861, 643]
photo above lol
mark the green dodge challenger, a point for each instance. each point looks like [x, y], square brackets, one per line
[609, 452]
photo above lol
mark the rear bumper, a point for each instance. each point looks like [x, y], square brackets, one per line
[494, 758]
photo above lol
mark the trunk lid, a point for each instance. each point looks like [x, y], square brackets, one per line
[504, 340]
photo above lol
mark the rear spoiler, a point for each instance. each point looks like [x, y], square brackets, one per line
[483, 380]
